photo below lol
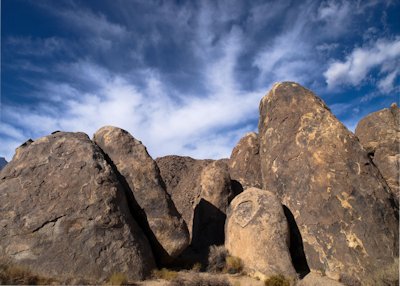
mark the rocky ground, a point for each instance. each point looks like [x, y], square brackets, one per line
[303, 202]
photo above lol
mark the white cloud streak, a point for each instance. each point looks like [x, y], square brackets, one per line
[361, 61]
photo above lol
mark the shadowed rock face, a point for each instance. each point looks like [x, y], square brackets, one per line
[379, 133]
[343, 207]
[64, 214]
[182, 180]
[169, 234]
[257, 232]
[244, 164]
[210, 211]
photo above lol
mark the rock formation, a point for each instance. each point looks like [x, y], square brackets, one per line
[244, 163]
[342, 205]
[64, 214]
[210, 211]
[165, 227]
[3, 163]
[379, 133]
[182, 180]
[258, 233]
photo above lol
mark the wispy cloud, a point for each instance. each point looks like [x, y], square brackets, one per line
[383, 55]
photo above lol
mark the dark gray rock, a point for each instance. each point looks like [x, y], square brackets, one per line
[3, 162]
[65, 215]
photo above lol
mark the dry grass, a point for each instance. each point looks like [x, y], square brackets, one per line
[197, 280]
[117, 279]
[18, 275]
[165, 274]
[277, 280]
[233, 265]
[216, 259]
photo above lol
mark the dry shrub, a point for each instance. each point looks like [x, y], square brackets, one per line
[17, 275]
[197, 267]
[117, 279]
[165, 274]
[277, 280]
[200, 281]
[233, 265]
[216, 258]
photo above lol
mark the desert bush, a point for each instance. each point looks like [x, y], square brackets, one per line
[200, 281]
[196, 267]
[216, 258]
[165, 274]
[17, 275]
[233, 265]
[117, 279]
[277, 280]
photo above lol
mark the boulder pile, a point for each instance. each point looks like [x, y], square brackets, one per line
[304, 197]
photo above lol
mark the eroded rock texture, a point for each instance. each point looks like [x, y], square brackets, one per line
[342, 205]
[379, 133]
[244, 163]
[258, 233]
[164, 226]
[64, 214]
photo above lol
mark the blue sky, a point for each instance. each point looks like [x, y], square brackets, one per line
[186, 77]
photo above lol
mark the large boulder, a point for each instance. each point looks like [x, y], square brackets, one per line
[244, 163]
[156, 212]
[379, 133]
[343, 207]
[64, 214]
[210, 212]
[258, 233]
[182, 177]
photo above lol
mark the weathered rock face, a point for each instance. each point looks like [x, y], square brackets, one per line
[210, 211]
[244, 164]
[182, 180]
[342, 205]
[64, 214]
[3, 162]
[258, 233]
[379, 133]
[169, 234]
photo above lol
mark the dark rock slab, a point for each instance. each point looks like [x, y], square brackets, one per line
[64, 214]
[343, 207]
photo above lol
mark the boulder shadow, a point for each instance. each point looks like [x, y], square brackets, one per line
[296, 248]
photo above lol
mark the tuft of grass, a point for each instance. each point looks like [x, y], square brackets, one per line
[18, 275]
[277, 280]
[117, 279]
[233, 265]
[165, 274]
[197, 267]
[200, 281]
[216, 258]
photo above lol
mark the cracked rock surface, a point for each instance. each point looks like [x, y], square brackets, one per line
[64, 214]
[343, 207]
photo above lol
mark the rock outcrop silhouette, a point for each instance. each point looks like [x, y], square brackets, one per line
[342, 205]
[65, 215]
